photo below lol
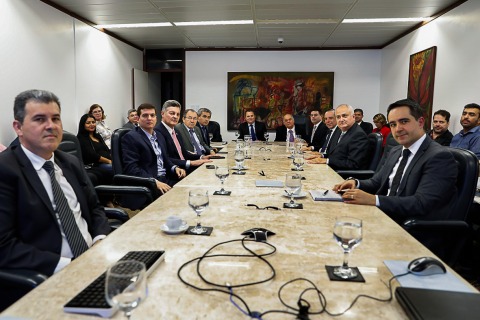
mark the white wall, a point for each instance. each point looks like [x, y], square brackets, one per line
[43, 48]
[457, 74]
[357, 76]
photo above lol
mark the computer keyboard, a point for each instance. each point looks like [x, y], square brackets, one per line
[91, 300]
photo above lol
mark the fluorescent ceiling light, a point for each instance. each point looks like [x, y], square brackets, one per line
[173, 60]
[298, 21]
[212, 23]
[379, 20]
[133, 25]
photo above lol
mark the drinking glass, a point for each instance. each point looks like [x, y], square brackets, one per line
[239, 159]
[298, 161]
[293, 183]
[222, 173]
[266, 135]
[126, 285]
[347, 232]
[290, 149]
[198, 201]
[210, 136]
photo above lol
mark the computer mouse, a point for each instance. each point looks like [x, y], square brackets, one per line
[426, 266]
[259, 234]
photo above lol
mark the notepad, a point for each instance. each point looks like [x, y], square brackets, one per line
[269, 183]
[325, 195]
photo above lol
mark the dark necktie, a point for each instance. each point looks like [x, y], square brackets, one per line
[327, 140]
[198, 150]
[341, 136]
[398, 175]
[313, 132]
[291, 138]
[72, 232]
[205, 135]
[252, 133]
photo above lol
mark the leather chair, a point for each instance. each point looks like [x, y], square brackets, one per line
[446, 238]
[14, 284]
[375, 141]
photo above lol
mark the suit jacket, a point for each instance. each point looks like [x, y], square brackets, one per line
[187, 143]
[129, 125]
[319, 136]
[172, 151]
[444, 139]
[367, 127]
[351, 153]
[281, 133]
[30, 236]
[427, 188]
[213, 128]
[260, 129]
[139, 158]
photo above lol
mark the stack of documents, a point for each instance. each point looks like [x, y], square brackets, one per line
[325, 195]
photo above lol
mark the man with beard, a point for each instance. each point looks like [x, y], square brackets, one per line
[440, 133]
[469, 137]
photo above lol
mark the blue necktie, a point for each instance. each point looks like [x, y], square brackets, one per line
[198, 150]
[291, 138]
[72, 232]
[252, 133]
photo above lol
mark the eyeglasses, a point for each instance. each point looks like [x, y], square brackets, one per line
[191, 118]
[264, 208]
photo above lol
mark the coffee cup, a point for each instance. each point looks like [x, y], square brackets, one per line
[174, 222]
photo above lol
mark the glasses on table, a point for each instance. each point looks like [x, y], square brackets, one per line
[262, 208]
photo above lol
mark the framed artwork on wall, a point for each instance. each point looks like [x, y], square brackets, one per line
[421, 80]
[274, 94]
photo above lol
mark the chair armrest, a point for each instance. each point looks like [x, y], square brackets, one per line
[125, 180]
[21, 277]
[438, 225]
[117, 214]
[357, 174]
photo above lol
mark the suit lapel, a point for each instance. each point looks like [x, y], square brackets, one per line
[415, 159]
[393, 157]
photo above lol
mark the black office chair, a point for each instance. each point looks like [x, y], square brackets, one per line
[15, 283]
[301, 121]
[375, 149]
[446, 238]
[120, 178]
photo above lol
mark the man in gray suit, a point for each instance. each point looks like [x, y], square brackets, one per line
[191, 136]
[132, 118]
[418, 177]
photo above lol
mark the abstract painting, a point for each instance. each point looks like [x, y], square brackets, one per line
[421, 79]
[274, 94]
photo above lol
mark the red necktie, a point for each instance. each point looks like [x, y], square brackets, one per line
[177, 145]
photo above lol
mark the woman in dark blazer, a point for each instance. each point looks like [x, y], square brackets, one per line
[95, 152]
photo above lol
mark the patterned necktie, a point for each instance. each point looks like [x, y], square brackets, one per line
[291, 138]
[177, 145]
[341, 136]
[70, 228]
[398, 175]
[327, 141]
[198, 150]
[313, 132]
[205, 135]
[252, 133]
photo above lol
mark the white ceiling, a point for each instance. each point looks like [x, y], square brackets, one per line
[263, 33]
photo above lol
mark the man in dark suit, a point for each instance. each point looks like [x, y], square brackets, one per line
[440, 133]
[44, 223]
[208, 126]
[175, 150]
[132, 118]
[319, 132]
[348, 146]
[252, 126]
[191, 136]
[418, 177]
[366, 126]
[144, 153]
[288, 131]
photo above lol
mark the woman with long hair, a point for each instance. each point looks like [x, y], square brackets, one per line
[97, 112]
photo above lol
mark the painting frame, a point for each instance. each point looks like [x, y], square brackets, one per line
[421, 81]
[273, 94]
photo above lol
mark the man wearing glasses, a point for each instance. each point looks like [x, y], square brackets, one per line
[191, 135]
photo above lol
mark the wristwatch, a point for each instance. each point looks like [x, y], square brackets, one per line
[356, 181]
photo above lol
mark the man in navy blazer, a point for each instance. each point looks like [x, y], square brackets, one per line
[179, 155]
[282, 132]
[259, 127]
[208, 126]
[319, 133]
[366, 126]
[31, 235]
[144, 153]
[426, 188]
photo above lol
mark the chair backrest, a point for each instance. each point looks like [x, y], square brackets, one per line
[301, 121]
[70, 144]
[375, 140]
[117, 162]
[466, 182]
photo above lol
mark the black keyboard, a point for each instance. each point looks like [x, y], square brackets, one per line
[91, 300]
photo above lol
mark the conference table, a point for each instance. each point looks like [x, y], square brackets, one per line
[303, 241]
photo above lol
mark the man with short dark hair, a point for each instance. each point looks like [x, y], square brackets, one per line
[366, 126]
[418, 177]
[469, 137]
[144, 153]
[208, 127]
[440, 133]
[316, 139]
[252, 127]
[191, 135]
[132, 118]
[288, 131]
[49, 212]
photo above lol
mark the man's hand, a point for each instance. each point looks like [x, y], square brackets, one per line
[212, 153]
[180, 172]
[163, 187]
[347, 184]
[305, 148]
[312, 155]
[317, 160]
[199, 162]
[357, 196]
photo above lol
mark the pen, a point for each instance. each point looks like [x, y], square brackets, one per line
[325, 193]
